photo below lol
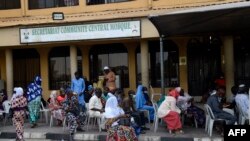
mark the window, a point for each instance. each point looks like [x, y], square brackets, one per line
[40, 4]
[113, 55]
[94, 2]
[242, 60]
[59, 67]
[10, 4]
[171, 64]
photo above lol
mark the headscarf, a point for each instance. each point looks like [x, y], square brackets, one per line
[174, 93]
[112, 110]
[139, 98]
[90, 88]
[34, 89]
[110, 94]
[38, 81]
[18, 91]
[53, 96]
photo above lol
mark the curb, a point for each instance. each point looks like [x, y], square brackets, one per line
[94, 137]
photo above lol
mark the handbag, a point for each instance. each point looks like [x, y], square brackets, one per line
[125, 121]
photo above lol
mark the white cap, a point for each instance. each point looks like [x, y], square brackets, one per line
[106, 68]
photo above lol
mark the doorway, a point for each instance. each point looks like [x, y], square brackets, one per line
[204, 63]
[26, 65]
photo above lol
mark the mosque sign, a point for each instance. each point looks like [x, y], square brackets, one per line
[123, 29]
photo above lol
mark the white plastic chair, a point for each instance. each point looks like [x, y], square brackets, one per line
[45, 111]
[156, 118]
[211, 119]
[153, 94]
[207, 119]
[93, 120]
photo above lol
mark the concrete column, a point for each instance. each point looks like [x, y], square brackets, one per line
[44, 70]
[73, 61]
[131, 47]
[85, 61]
[229, 63]
[9, 72]
[144, 63]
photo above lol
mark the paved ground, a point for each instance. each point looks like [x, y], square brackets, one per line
[46, 133]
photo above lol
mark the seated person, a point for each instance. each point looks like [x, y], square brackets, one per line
[189, 107]
[74, 117]
[115, 131]
[242, 99]
[95, 106]
[170, 113]
[56, 109]
[142, 104]
[128, 107]
[145, 92]
[61, 97]
[214, 103]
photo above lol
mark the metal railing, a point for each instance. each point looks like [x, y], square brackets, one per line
[95, 2]
[9, 4]
[41, 4]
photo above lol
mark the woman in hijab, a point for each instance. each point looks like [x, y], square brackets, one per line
[34, 94]
[170, 113]
[55, 108]
[141, 102]
[117, 132]
[74, 117]
[18, 105]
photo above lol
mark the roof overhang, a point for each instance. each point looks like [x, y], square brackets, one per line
[221, 19]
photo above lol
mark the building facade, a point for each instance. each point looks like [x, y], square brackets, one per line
[86, 35]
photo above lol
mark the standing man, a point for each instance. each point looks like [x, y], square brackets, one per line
[109, 78]
[78, 87]
[34, 95]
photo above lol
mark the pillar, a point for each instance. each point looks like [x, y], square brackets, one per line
[229, 63]
[9, 72]
[44, 66]
[85, 61]
[73, 61]
[131, 47]
[144, 63]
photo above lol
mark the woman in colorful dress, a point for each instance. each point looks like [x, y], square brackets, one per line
[74, 117]
[18, 105]
[56, 109]
[34, 94]
[117, 132]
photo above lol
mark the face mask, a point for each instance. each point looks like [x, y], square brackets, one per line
[145, 92]
[134, 96]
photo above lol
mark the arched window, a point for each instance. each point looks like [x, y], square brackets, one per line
[113, 55]
[171, 64]
[26, 65]
[59, 67]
